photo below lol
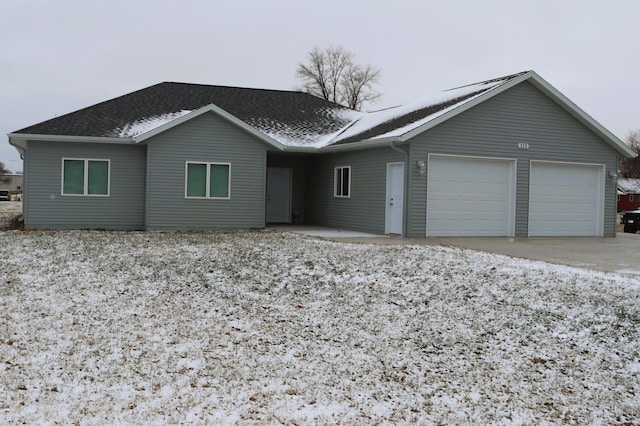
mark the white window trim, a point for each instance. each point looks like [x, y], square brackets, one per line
[335, 182]
[208, 180]
[86, 177]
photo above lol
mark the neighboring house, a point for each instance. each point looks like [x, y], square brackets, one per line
[507, 157]
[628, 194]
[11, 182]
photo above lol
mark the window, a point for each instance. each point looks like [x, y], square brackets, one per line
[207, 180]
[342, 182]
[85, 177]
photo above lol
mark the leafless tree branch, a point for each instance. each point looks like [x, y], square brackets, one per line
[332, 74]
[630, 167]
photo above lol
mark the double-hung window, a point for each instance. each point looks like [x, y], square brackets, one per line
[342, 182]
[208, 180]
[88, 177]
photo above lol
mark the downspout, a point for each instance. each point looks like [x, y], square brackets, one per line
[405, 199]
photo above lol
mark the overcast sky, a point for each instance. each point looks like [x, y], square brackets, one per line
[60, 56]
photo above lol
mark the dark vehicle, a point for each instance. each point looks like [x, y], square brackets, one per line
[631, 221]
[4, 195]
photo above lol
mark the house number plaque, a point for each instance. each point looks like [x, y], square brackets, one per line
[523, 145]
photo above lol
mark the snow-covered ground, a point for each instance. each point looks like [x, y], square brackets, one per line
[264, 327]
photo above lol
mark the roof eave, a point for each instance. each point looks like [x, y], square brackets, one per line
[19, 140]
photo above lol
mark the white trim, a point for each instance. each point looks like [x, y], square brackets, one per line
[208, 180]
[335, 181]
[513, 175]
[599, 231]
[86, 177]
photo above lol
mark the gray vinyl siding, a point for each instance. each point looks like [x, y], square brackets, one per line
[207, 138]
[494, 128]
[364, 210]
[46, 207]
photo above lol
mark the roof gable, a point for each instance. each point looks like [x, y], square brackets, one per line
[402, 127]
[161, 125]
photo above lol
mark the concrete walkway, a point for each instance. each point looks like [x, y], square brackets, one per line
[620, 255]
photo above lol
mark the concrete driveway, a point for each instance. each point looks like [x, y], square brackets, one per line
[620, 255]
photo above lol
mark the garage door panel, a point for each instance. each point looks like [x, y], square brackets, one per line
[470, 196]
[566, 199]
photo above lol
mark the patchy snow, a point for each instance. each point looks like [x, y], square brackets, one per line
[376, 118]
[338, 124]
[149, 123]
[263, 327]
[303, 137]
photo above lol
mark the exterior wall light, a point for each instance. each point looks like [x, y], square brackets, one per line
[422, 167]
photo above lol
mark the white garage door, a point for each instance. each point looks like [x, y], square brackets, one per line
[470, 197]
[566, 200]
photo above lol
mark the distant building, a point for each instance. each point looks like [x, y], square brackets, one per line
[15, 183]
[628, 194]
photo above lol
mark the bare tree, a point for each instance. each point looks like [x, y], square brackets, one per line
[4, 171]
[332, 74]
[630, 167]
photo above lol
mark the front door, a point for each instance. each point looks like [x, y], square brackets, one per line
[278, 195]
[395, 198]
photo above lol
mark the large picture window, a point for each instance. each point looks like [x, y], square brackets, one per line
[89, 177]
[342, 182]
[208, 180]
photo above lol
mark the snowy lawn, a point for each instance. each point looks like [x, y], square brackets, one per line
[263, 327]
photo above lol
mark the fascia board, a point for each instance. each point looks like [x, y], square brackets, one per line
[364, 144]
[216, 110]
[299, 149]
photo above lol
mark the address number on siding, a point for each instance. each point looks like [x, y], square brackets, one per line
[523, 145]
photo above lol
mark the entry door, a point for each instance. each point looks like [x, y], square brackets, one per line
[278, 195]
[395, 198]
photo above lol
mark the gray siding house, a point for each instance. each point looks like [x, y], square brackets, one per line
[508, 157]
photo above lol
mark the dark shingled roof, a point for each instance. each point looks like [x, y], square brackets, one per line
[293, 118]
[298, 112]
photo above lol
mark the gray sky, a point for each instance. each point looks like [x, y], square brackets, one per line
[60, 56]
